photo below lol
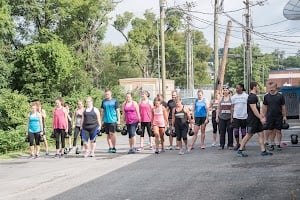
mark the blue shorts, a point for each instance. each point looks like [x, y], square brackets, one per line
[89, 134]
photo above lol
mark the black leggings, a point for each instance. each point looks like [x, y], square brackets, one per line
[34, 137]
[225, 127]
[181, 132]
[59, 137]
[146, 125]
[76, 133]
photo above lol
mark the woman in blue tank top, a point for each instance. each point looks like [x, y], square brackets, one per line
[34, 130]
[200, 109]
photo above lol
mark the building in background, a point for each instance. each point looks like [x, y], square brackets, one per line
[287, 77]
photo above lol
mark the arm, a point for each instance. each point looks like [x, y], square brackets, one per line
[166, 116]
[217, 112]
[173, 117]
[137, 108]
[207, 111]
[124, 115]
[66, 120]
[284, 112]
[264, 110]
[98, 118]
[27, 124]
[119, 115]
[256, 112]
[41, 124]
[187, 111]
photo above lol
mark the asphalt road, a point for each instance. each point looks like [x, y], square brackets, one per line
[201, 174]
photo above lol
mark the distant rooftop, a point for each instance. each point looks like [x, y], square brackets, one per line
[291, 10]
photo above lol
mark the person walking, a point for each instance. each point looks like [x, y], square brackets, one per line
[60, 126]
[77, 121]
[223, 118]
[69, 132]
[216, 129]
[159, 123]
[110, 112]
[274, 110]
[91, 124]
[200, 109]
[131, 115]
[254, 122]
[181, 119]
[145, 107]
[170, 106]
[34, 130]
[239, 113]
[43, 114]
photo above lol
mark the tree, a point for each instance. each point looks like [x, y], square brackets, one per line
[43, 70]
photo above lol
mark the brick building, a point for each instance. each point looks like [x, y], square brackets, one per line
[288, 77]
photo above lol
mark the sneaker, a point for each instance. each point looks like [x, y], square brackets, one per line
[181, 152]
[230, 148]
[162, 150]
[266, 143]
[241, 153]
[236, 147]
[202, 146]
[47, 153]
[130, 151]
[77, 150]
[278, 148]
[151, 147]
[140, 149]
[31, 157]
[113, 150]
[109, 150]
[177, 148]
[56, 156]
[170, 147]
[37, 156]
[190, 148]
[213, 145]
[271, 148]
[156, 151]
[265, 153]
[92, 155]
[86, 154]
[221, 148]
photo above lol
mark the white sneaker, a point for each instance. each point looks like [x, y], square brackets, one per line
[170, 147]
[177, 148]
[213, 145]
[180, 152]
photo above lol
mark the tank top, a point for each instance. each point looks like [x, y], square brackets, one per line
[59, 119]
[34, 125]
[145, 111]
[158, 117]
[130, 113]
[90, 119]
[180, 117]
[78, 118]
[200, 108]
[225, 109]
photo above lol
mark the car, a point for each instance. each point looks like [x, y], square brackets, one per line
[188, 102]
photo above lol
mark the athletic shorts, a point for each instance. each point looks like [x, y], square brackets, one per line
[110, 127]
[199, 121]
[89, 134]
[254, 126]
[239, 123]
[274, 123]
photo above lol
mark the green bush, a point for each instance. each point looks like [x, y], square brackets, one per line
[13, 140]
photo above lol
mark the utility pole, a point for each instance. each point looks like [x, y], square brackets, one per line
[216, 47]
[224, 58]
[158, 57]
[248, 47]
[162, 39]
[189, 53]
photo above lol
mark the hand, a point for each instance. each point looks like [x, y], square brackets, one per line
[263, 120]
[284, 119]
[217, 120]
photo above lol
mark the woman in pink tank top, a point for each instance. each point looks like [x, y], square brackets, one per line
[132, 118]
[60, 126]
[159, 122]
[145, 106]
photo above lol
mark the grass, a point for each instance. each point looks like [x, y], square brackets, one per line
[12, 155]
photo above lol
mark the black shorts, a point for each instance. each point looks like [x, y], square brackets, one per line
[110, 127]
[254, 126]
[239, 123]
[199, 121]
[274, 123]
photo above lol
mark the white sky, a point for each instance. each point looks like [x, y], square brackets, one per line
[267, 19]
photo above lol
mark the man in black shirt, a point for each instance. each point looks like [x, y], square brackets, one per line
[254, 122]
[275, 112]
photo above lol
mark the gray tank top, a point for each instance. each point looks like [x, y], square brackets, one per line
[225, 109]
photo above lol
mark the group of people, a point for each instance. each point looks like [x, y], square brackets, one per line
[231, 114]
[240, 114]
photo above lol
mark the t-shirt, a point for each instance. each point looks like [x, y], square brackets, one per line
[252, 99]
[110, 110]
[171, 104]
[274, 103]
[240, 105]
